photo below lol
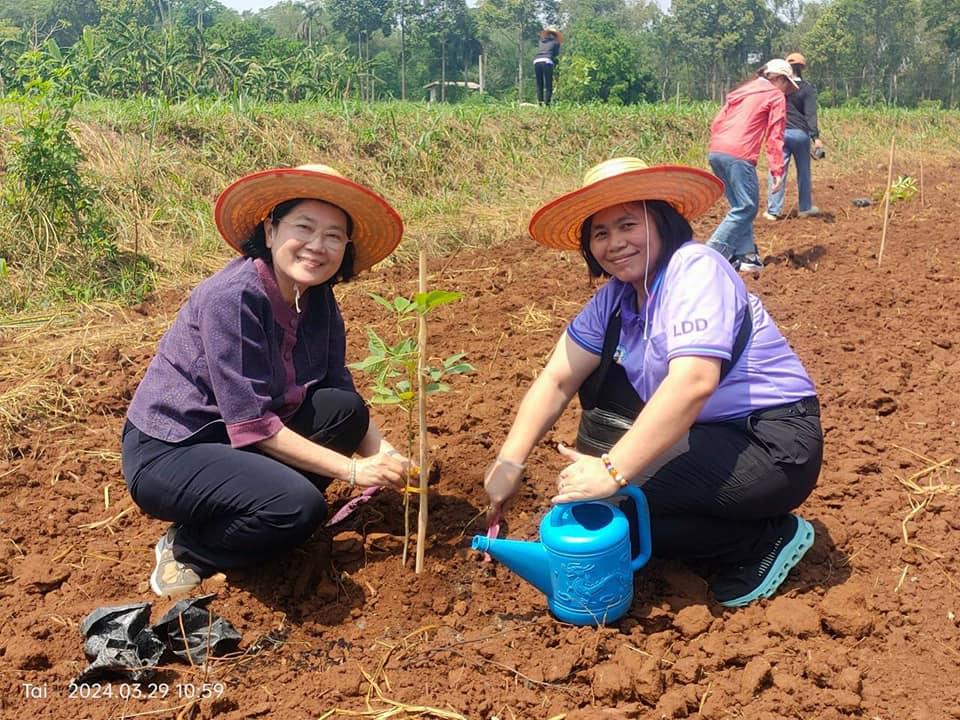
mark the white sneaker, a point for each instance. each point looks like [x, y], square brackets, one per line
[770, 216]
[812, 212]
[749, 263]
[169, 576]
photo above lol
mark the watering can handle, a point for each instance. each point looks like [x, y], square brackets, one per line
[643, 525]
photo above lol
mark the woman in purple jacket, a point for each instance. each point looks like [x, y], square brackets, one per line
[688, 388]
[247, 412]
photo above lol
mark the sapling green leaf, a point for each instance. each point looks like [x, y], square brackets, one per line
[402, 306]
[380, 300]
[375, 343]
[425, 302]
[454, 359]
[460, 369]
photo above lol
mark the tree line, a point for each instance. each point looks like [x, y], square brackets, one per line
[896, 52]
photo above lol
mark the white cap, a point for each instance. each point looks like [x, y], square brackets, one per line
[778, 66]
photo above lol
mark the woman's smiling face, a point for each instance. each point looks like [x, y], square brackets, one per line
[625, 241]
[307, 245]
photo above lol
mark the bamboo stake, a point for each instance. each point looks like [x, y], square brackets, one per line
[922, 203]
[422, 411]
[886, 201]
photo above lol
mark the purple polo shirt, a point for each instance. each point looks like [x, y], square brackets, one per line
[695, 308]
[238, 354]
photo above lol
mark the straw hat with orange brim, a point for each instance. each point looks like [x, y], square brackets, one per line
[690, 191]
[552, 29]
[377, 227]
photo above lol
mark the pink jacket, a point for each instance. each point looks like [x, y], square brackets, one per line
[750, 110]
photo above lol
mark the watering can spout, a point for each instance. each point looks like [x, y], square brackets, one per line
[529, 560]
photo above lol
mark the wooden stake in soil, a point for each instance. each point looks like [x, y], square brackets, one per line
[422, 412]
[922, 203]
[886, 201]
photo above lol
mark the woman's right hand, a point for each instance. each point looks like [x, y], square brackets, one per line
[385, 469]
[501, 481]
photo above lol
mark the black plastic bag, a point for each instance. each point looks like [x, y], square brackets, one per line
[118, 642]
[203, 630]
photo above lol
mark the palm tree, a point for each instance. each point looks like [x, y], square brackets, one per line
[311, 16]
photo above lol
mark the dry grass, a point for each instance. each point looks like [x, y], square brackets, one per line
[44, 366]
[920, 496]
[534, 320]
[381, 707]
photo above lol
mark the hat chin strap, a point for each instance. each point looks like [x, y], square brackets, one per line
[646, 273]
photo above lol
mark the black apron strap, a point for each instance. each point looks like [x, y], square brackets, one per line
[610, 403]
[739, 342]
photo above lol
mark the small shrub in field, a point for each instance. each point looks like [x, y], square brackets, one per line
[903, 188]
[55, 234]
[48, 188]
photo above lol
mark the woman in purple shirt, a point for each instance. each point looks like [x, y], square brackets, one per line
[688, 388]
[247, 412]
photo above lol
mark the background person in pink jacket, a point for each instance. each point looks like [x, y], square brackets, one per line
[755, 109]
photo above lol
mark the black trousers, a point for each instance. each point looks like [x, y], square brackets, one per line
[544, 73]
[719, 496]
[237, 506]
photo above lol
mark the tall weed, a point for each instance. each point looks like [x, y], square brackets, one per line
[56, 238]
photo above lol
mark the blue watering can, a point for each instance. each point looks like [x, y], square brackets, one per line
[583, 563]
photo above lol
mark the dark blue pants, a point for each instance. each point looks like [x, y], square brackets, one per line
[544, 74]
[722, 493]
[239, 507]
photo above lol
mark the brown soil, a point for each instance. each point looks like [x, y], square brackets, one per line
[866, 626]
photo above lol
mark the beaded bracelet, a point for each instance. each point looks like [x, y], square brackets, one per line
[612, 471]
[352, 480]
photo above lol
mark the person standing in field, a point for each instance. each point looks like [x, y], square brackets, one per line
[802, 131]
[754, 110]
[545, 62]
[247, 411]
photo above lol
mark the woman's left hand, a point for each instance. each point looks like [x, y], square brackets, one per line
[584, 478]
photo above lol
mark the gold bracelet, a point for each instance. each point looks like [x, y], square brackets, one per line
[352, 480]
[612, 471]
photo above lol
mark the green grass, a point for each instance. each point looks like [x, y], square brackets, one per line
[470, 173]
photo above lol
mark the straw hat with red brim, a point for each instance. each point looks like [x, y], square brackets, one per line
[689, 190]
[377, 227]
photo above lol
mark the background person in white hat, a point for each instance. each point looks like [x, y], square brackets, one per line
[802, 130]
[754, 110]
[688, 388]
[247, 412]
[545, 62]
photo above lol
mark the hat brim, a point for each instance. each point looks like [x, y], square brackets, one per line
[377, 227]
[690, 191]
[555, 32]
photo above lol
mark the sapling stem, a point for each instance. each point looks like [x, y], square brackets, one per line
[401, 376]
[886, 202]
[406, 496]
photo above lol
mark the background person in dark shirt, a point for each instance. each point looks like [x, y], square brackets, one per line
[545, 61]
[247, 411]
[802, 130]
